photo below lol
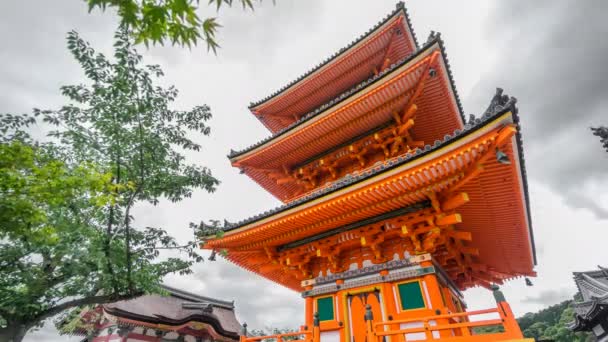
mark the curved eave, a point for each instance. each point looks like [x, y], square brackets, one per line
[469, 128]
[378, 172]
[434, 43]
[501, 232]
[349, 55]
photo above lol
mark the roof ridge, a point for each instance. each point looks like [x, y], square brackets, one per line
[595, 282]
[197, 298]
[400, 6]
[499, 104]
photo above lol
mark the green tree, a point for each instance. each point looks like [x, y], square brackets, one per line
[45, 198]
[157, 21]
[276, 331]
[68, 236]
[560, 332]
[602, 133]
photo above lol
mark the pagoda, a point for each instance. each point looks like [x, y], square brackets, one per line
[393, 202]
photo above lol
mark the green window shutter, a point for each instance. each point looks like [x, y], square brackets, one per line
[411, 296]
[325, 307]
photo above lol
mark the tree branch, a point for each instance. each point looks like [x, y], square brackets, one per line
[158, 247]
[102, 299]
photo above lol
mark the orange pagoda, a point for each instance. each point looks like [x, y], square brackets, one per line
[393, 202]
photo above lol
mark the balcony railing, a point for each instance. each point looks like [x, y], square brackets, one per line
[308, 335]
[459, 327]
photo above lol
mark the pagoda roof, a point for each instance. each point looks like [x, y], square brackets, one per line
[439, 113]
[502, 248]
[348, 66]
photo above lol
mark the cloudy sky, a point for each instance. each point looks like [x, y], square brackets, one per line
[548, 54]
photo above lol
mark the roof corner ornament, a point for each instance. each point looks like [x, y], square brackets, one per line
[204, 307]
[471, 119]
[498, 102]
[604, 271]
[400, 5]
[431, 36]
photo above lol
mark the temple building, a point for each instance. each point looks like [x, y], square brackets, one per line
[180, 316]
[393, 202]
[591, 314]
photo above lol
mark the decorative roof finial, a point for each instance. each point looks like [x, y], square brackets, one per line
[604, 271]
[431, 36]
[400, 5]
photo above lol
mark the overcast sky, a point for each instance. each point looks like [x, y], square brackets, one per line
[548, 54]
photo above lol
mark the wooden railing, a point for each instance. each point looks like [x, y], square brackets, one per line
[453, 327]
[310, 335]
[458, 325]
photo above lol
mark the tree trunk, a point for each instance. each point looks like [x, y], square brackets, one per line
[15, 332]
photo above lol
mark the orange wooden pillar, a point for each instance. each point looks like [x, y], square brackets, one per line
[433, 289]
[390, 305]
[308, 312]
[504, 310]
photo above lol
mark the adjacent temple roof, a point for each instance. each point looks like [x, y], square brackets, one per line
[178, 310]
[392, 39]
[593, 287]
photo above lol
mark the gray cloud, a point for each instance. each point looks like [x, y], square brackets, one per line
[551, 55]
[549, 297]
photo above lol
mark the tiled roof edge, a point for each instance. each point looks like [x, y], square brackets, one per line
[499, 105]
[399, 7]
[211, 319]
[498, 100]
[198, 298]
[337, 100]
[436, 36]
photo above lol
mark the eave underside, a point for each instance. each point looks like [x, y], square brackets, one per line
[501, 243]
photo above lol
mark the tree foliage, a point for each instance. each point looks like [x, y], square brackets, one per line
[156, 21]
[276, 331]
[69, 237]
[549, 324]
[602, 133]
